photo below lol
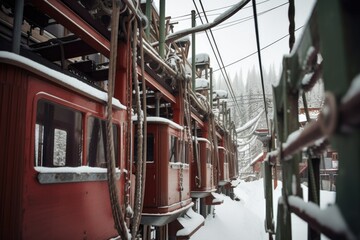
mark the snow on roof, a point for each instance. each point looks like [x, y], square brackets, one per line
[57, 77]
[153, 4]
[201, 83]
[183, 40]
[190, 221]
[160, 120]
[217, 94]
[201, 59]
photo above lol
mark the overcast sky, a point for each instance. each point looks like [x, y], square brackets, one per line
[235, 38]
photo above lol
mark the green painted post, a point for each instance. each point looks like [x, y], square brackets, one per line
[269, 216]
[148, 15]
[162, 29]
[313, 189]
[340, 48]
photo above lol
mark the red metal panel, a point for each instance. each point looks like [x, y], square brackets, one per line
[13, 88]
[45, 211]
[155, 85]
[198, 120]
[65, 16]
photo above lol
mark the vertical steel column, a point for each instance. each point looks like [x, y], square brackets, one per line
[19, 10]
[314, 189]
[148, 15]
[162, 29]
[340, 48]
[193, 53]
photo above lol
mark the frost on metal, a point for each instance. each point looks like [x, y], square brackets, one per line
[330, 217]
[354, 89]
[201, 84]
[220, 94]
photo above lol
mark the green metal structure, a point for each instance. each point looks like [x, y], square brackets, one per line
[329, 49]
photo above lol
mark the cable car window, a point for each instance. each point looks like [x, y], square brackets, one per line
[173, 149]
[58, 135]
[97, 140]
[149, 149]
[208, 155]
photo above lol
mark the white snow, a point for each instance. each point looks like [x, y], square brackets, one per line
[201, 83]
[160, 120]
[249, 123]
[330, 217]
[217, 94]
[189, 221]
[307, 78]
[199, 139]
[353, 89]
[82, 169]
[292, 137]
[244, 219]
[202, 58]
[57, 77]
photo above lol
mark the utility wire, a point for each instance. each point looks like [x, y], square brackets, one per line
[224, 73]
[248, 18]
[260, 65]
[188, 16]
[247, 56]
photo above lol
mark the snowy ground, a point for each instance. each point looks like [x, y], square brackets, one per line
[245, 219]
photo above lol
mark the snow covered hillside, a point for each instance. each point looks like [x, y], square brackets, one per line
[244, 219]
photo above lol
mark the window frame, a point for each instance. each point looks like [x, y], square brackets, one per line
[81, 173]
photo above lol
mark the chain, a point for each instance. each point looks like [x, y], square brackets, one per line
[181, 179]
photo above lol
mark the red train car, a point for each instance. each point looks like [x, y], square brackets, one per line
[52, 154]
[203, 171]
[224, 177]
[167, 188]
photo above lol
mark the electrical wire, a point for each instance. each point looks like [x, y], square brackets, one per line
[188, 16]
[245, 19]
[260, 64]
[247, 56]
[218, 56]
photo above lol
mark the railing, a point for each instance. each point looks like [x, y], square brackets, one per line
[337, 45]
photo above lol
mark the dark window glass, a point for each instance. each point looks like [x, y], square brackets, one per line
[173, 149]
[186, 157]
[97, 142]
[58, 135]
[149, 149]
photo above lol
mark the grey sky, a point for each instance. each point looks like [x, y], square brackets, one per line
[237, 40]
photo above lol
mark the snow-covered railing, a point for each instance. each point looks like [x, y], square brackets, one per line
[328, 221]
[343, 117]
[338, 124]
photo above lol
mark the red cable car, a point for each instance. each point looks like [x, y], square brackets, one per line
[52, 147]
[167, 189]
